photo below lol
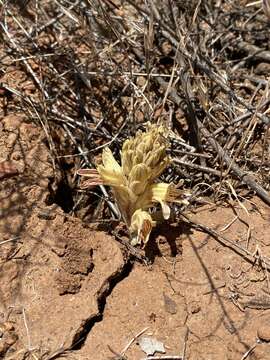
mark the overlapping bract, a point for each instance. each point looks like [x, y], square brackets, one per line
[143, 159]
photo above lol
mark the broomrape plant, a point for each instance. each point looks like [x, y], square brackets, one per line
[143, 159]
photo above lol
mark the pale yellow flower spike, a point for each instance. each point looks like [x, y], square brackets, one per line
[111, 172]
[143, 159]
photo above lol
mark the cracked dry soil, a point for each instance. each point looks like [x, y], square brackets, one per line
[64, 285]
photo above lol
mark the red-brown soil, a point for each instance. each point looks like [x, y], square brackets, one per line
[65, 286]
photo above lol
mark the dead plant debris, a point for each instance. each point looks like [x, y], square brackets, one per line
[86, 76]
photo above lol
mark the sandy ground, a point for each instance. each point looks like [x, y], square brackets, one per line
[65, 286]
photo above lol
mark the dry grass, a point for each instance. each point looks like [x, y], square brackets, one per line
[91, 73]
[97, 71]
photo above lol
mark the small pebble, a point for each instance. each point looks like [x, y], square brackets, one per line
[194, 307]
[170, 305]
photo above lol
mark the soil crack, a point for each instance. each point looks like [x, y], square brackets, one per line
[105, 291]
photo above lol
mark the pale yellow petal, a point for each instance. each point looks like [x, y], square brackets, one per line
[139, 172]
[155, 157]
[166, 192]
[93, 178]
[158, 170]
[166, 211]
[111, 172]
[87, 172]
[137, 187]
[160, 194]
[110, 177]
[141, 226]
[126, 145]
[138, 178]
[138, 158]
[127, 161]
[109, 161]
[144, 201]
[125, 199]
[160, 191]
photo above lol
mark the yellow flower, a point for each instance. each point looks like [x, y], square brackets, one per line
[143, 159]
